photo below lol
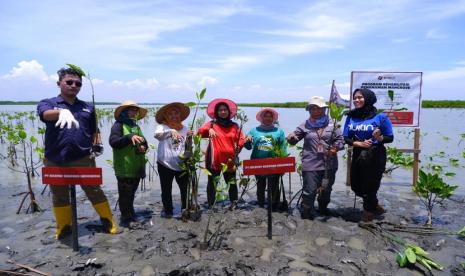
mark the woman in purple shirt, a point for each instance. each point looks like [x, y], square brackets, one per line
[322, 140]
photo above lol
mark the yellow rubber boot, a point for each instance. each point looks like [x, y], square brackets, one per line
[63, 218]
[103, 210]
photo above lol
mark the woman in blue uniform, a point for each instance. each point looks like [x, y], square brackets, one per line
[367, 131]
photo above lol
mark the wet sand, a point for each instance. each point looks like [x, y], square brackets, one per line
[332, 245]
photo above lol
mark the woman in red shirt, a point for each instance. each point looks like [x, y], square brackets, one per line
[225, 142]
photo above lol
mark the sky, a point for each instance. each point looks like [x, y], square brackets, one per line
[249, 51]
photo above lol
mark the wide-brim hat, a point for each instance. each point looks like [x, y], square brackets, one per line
[316, 100]
[129, 103]
[231, 105]
[263, 111]
[184, 111]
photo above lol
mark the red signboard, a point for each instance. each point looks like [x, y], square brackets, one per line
[400, 117]
[269, 165]
[72, 176]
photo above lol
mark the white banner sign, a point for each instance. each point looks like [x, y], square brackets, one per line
[398, 94]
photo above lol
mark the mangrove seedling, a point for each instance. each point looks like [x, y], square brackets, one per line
[220, 187]
[190, 163]
[397, 159]
[97, 146]
[27, 166]
[432, 190]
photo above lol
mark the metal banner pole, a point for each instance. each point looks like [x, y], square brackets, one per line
[74, 224]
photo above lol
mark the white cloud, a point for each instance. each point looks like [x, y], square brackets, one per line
[144, 84]
[207, 81]
[121, 35]
[28, 70]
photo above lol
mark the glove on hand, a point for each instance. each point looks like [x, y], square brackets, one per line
[66, 119]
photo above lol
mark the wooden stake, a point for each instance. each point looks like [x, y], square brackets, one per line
[349, 165]
[416, 155]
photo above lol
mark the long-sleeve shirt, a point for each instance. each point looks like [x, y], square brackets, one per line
[63, 144]
[117, 140]
[263, 140]
[169, 149]
[221, 149]
[312, 160]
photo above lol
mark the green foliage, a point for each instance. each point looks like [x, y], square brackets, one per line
[22, 134]
[77, 69]
[454, 162]
[201, 95]
[411, 257]
[432, 190]
[391, 95]
[401, 259]
[221, 186]
[429, 183]
[442, 104]
[277, 147]
[461, 232]
[413, 254]
[336, 112]
[398, 159]
[192, 159]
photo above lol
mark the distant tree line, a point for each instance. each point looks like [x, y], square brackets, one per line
[424, 104]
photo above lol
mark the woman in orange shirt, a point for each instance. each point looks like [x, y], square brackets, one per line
[225, 142]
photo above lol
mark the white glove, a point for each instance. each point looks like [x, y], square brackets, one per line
[66, 119]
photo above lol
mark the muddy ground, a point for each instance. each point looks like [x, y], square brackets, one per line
[332, 245]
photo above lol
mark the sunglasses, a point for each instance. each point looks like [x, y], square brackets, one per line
[70, 82]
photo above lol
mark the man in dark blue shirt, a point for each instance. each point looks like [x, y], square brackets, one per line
[70, 129]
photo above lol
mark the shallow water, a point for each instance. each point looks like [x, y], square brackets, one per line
[440, 132]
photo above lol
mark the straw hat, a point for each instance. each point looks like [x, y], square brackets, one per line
[231, 105]
[316, 100]
[267, 109]
[129, 103]
[183, 109]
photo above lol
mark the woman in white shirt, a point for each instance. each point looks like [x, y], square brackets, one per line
[171, 134]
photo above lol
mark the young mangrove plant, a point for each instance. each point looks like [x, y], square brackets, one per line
[432, 190]
[28, 165]
[191, 162]
[336, 113]
[397, 159]
[243, 180]
[97, 146]
[221, 188]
